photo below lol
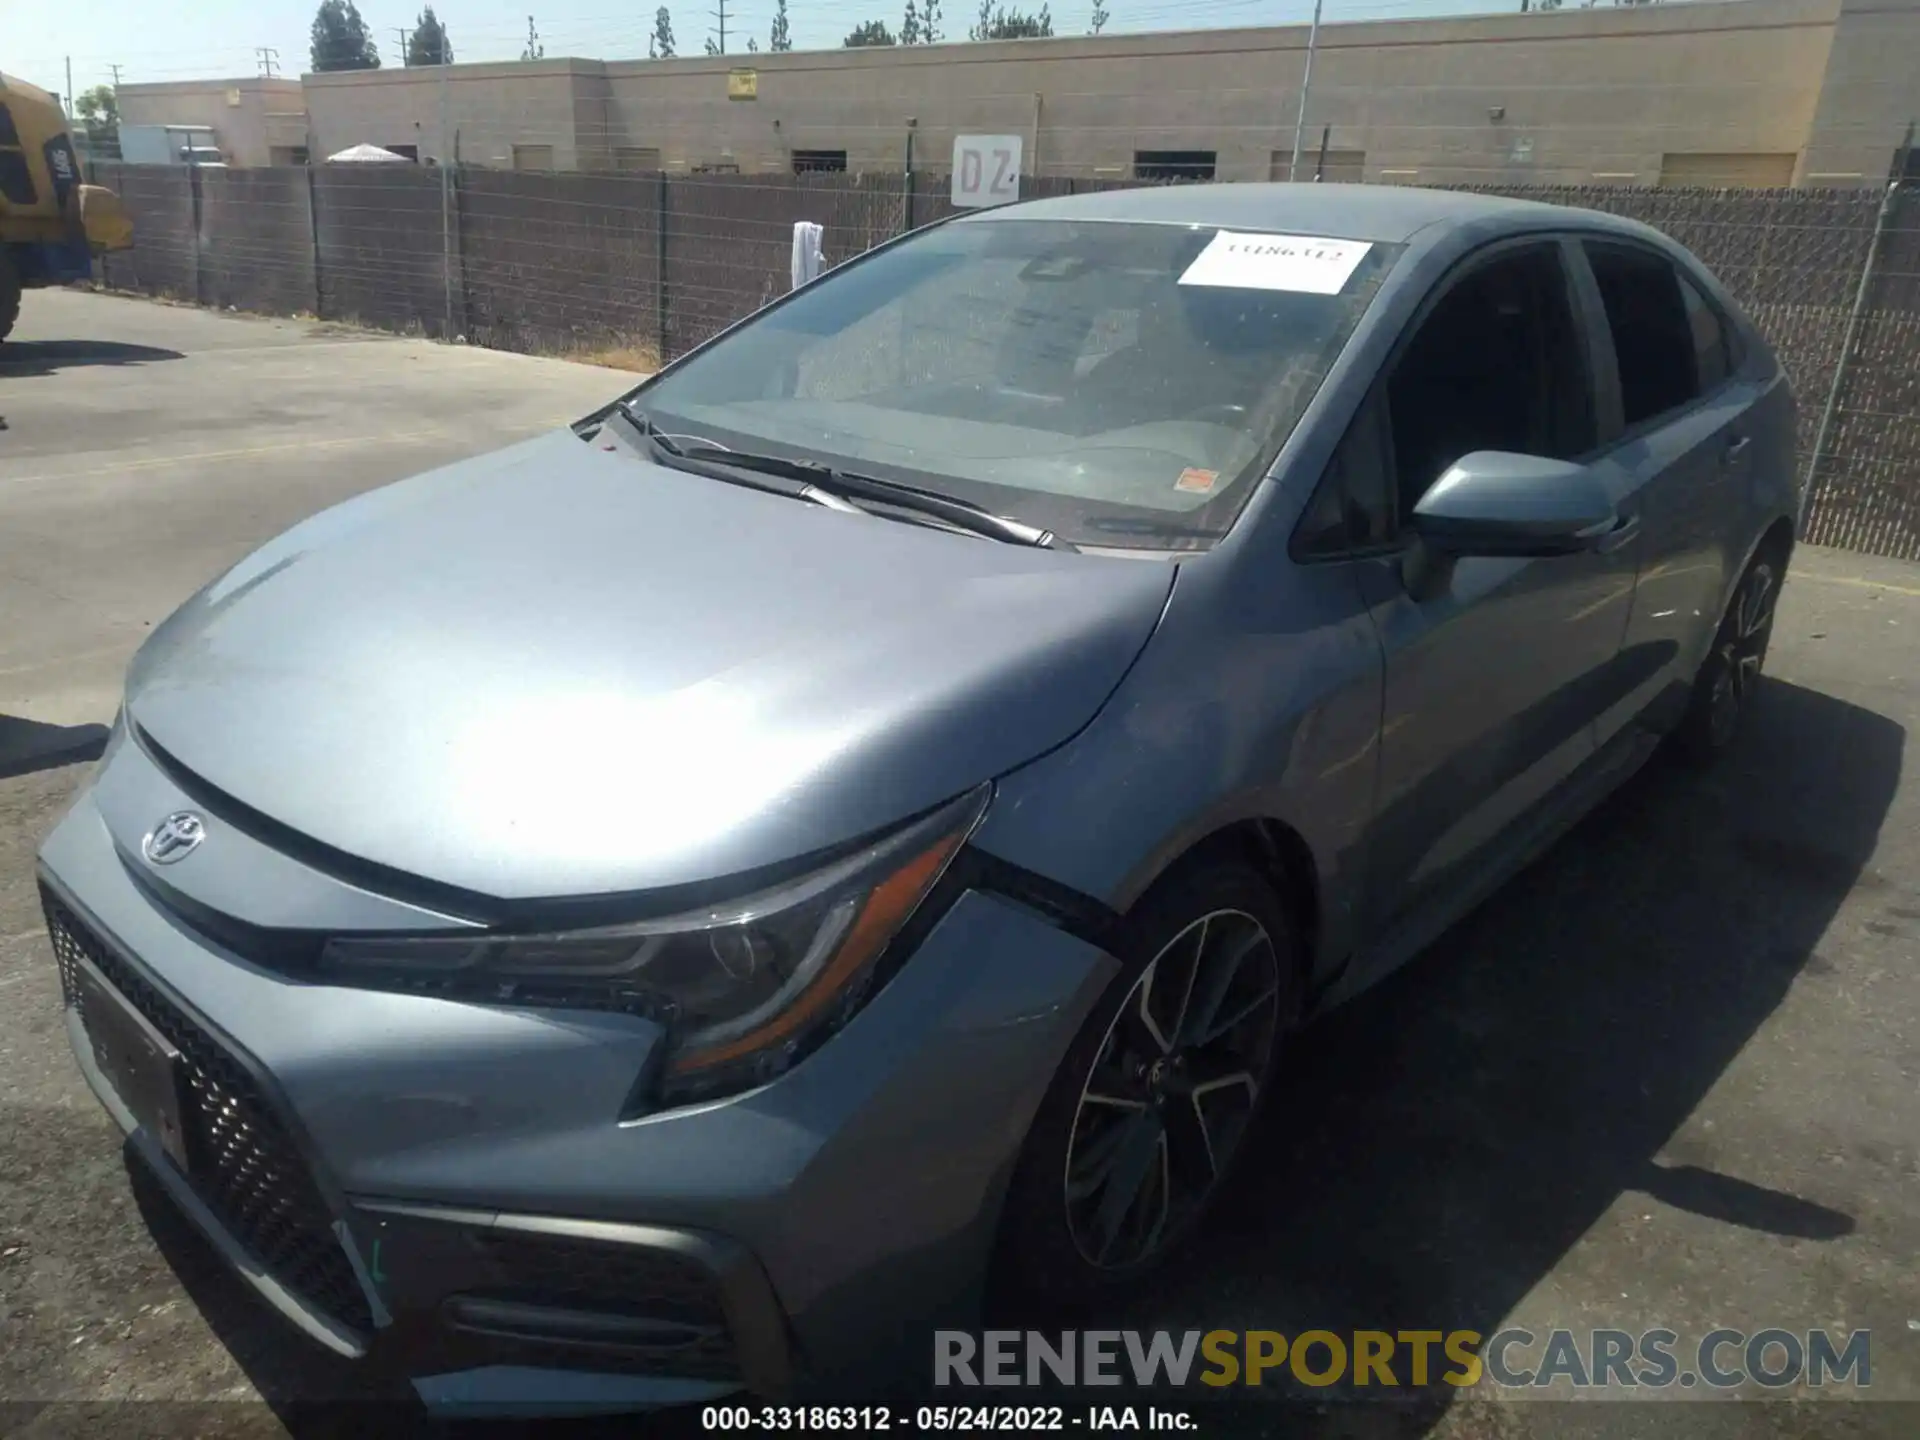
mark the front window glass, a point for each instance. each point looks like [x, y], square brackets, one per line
[1057, 372]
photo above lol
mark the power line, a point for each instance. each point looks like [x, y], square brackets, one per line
[269, 57]
[721, 16]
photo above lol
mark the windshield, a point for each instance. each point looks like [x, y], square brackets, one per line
[1118, 384]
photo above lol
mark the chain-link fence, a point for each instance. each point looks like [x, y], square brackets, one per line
[646, 266]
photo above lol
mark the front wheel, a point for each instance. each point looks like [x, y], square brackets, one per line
[1730, 674]
[1149, 1112]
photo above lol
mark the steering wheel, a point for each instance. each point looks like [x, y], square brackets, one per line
[1225, 413]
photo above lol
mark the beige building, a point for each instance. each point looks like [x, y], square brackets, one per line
[1735, 92]
[255, 121]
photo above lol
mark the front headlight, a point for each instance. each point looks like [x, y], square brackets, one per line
[744, 990]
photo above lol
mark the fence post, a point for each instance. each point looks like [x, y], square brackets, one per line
[463, 295]
[1888, 201]
[446, 211]
[193, 191]
[661, 304]
[313, 235]
[906, 209]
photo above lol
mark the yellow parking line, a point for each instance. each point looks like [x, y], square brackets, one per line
[1856, 582]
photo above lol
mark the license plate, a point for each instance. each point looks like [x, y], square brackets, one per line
[137, 1061]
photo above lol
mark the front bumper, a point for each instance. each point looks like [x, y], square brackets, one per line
[449, 1187]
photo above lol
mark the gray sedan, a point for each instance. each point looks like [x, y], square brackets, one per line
[672, 906]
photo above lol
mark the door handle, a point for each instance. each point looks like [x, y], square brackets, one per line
[1621, 535]
[1736, 447]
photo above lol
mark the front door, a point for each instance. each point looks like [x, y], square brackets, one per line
[1496, 669]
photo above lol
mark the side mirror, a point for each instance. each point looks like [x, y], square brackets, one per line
[1492, 502]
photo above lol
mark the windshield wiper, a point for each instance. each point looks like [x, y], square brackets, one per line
[641, 421]
[703, 453]
[852, 486]
[840, 489]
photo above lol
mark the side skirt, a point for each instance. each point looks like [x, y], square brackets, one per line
[1523, 843]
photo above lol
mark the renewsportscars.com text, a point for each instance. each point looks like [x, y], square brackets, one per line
[1591, 1359]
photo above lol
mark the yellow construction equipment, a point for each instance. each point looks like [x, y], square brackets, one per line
[51, 224]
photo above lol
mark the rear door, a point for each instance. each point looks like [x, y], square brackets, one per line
[1491, 679]
[1680, 435]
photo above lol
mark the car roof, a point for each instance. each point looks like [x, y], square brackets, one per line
[1385, 213]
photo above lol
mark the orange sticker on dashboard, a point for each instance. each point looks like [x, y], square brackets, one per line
[1196, 482]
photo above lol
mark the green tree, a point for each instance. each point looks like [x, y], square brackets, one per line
[535, 50]
[874, 32]
[996, 22]
[780, 38]
[929, 22]
[341, 40]
[99, 112]
[661, 46]
[910, 25]
[428, 45]
[1098, 21]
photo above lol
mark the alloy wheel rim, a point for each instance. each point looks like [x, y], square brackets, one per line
[1742, 650]
[1176, 1080]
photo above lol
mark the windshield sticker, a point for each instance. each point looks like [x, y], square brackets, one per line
[1196, 482]
[1305, 264]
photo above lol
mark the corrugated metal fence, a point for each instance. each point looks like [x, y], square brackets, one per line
[656, 264]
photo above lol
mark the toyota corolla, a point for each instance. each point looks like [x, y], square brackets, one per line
[671, 906]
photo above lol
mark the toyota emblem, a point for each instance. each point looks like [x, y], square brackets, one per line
[174, 838]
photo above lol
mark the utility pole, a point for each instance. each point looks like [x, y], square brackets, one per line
[1306, 83]
[721, 16]
[116, 75]
[400, 34]
[69, 95]
[269, 57]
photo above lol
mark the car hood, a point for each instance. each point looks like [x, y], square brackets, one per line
[558, 671]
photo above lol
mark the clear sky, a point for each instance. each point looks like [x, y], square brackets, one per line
[201, 39]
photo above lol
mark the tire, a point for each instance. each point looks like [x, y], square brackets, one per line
[1177, 1113]
[9, 294]
[1723, 690]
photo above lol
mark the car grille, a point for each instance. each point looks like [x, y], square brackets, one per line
[246, 1167]
[577, 1274]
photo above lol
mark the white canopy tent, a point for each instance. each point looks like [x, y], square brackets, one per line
[367, 155]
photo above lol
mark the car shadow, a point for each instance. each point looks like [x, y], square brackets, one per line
[46, 357]
[1447, 1137]
[30, 745]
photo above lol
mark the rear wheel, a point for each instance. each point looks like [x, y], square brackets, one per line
[9, 294]
[1728, 677]
[1148, 1113]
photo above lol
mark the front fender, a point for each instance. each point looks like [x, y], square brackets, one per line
[1258, 698]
